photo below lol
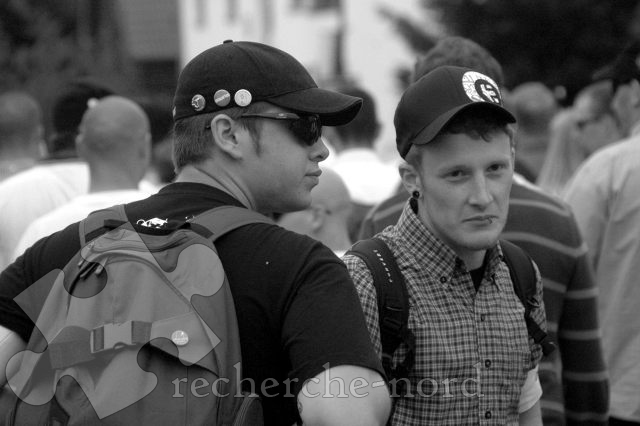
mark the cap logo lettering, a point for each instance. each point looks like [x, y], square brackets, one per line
[480, 88]
[222, 98]
[242, 97]
[198, 102]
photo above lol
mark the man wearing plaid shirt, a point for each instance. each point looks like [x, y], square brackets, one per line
[474, 361]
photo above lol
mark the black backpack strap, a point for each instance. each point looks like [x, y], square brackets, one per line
[220, 220]
[213, 223]
[100, 221]
[523, 276]
[393, 304]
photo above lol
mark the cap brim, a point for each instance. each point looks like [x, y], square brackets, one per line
[427, 134]
[334, 108]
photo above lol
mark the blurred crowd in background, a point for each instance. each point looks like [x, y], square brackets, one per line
[572, 150]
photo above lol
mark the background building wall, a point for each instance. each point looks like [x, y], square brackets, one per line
[372, 52]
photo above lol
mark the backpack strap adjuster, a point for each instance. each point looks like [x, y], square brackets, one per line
[114, 336]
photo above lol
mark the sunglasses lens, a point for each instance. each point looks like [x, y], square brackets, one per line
[307, 129]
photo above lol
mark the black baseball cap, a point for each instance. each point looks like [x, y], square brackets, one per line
[238, 73]
[432, 101]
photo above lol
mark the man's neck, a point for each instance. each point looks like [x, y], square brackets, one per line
[203, 174]
[473, 259]
[109, 181]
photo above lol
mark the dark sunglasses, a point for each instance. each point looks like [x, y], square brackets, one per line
[307, 128]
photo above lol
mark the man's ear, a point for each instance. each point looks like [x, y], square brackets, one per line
[81, 148]
[410, 178]
[224, 131]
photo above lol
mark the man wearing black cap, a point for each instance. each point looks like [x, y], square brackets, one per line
[248, 119]
[574, 381]
[605, 196]
[474, 363]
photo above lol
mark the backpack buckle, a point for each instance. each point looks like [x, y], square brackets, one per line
[111, 336]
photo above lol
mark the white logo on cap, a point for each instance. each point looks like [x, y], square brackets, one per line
[481, 88]
[242, 97]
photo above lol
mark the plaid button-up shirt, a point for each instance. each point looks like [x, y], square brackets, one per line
[472, 348]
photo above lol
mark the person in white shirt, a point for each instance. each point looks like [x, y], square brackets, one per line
[369, 179]
[61, 176]
[21, 132]
[115, 141]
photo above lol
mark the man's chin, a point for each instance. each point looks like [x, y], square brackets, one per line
[484, 241]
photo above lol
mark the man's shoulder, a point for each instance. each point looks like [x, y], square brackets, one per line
[610, 157]
[539, 219]
[528, 193]
[392, 206]
[67, 177]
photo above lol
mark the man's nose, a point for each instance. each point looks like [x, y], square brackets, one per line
[319, 150]
[480, 193]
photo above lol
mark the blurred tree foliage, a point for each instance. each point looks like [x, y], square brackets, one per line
[558, 42]
[44, 44]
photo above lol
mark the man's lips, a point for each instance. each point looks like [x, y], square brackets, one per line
[486, 219]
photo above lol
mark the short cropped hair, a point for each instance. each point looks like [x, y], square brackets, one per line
[193, 141]
[475, 122]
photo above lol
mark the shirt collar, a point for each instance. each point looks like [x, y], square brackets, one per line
[428, 252]
[197, 175]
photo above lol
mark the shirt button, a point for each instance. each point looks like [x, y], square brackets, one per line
[443, 280]
[483, 317]
[487, 415]
[487, 363]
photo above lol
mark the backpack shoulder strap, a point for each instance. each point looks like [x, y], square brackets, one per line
[521, 270]
[221, 220]
[100, 220]
[393, 303]
[523, 277]
[216, 222]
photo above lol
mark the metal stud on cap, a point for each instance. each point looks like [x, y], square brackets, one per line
[242, 97]
[180, 338]
[198, 102]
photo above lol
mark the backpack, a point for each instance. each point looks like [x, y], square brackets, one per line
[393, 301]
[138, 328]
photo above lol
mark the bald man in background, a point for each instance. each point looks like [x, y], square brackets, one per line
[54, 180]
[21, 132]
[115, 141]
[327, 218]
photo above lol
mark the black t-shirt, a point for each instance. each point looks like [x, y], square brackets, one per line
[297, 308]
